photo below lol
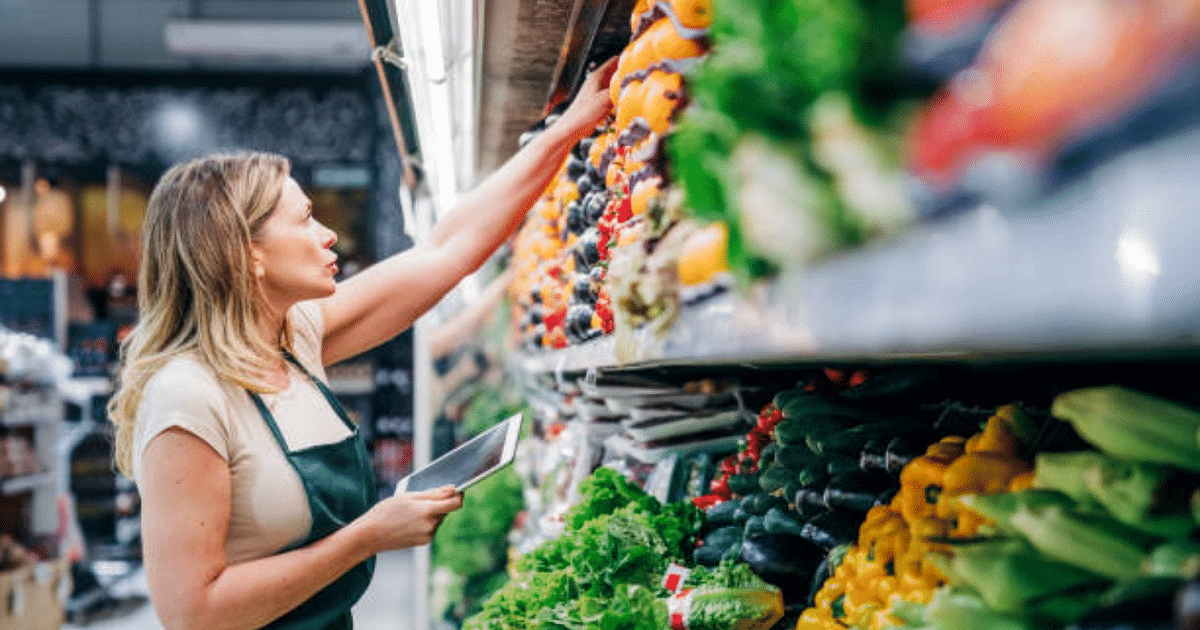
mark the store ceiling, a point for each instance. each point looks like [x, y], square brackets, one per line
[520, 48]
[520, 44]
[121, 35]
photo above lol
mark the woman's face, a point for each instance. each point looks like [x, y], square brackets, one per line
[292, 254]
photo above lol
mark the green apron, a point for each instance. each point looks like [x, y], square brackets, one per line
[340, 484]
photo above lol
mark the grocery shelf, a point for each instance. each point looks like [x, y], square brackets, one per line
[23, 483]
[15, 421]
[1103, 265]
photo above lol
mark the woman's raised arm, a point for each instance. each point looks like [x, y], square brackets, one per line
[386, 298]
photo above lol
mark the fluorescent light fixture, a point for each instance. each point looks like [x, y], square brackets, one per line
[419, 24]
[431, 40]
[330, 41]
[3, 194]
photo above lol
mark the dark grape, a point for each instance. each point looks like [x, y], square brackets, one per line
[576, 167]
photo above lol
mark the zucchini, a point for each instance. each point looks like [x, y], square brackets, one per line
[830, 529]
[785, 561]
[873, 455]
[850, 440]
[813, 476]
[740, 514]
[857, 490]
[707, 555]
[795, 456]
[839, 466]
[809, 500]
[743, 484]
[899, 452]
[754, 525]
[775, 478]
[820, 574]
[721, 513]
[723, 537]
[896, 383]
[758, 504]
[780, 521]
[808, 510]
[956, 418]
[766, 457]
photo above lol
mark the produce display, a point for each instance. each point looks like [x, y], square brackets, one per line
[792, 139]
[907, 497]
[757, 136]
[597, 202]
[472, 542]
[608, 570]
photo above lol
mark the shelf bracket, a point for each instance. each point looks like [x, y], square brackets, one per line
[390, 53]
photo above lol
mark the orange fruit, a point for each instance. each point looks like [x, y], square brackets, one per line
[704, 255]
[693, 13]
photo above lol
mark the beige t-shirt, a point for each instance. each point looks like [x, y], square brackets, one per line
[269, 509]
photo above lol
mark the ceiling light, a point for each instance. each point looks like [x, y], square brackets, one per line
[328, 41]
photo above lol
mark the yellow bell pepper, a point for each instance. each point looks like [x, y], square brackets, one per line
[815, 619]
[981, 472]
[921, 479]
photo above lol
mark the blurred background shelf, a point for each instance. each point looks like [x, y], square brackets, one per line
[24, 483]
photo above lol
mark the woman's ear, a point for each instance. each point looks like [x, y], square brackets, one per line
[256, 262]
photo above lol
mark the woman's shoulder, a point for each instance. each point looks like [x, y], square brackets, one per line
[183, 374]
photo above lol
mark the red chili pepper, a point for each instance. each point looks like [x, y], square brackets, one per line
[767, 421]
[757, 438]
[706, 501]
[624, 209]
[729, 465]
[835, 376]
[720, 487]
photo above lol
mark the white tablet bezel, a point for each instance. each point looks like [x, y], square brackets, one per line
[512, 435]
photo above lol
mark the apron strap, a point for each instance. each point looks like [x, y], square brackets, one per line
[325, 391]
[270, 420]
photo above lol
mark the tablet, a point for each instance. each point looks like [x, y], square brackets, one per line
[470, 462]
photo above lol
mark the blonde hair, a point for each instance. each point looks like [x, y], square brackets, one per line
[197, 292]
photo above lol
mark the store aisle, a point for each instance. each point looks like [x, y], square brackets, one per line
[385, 606]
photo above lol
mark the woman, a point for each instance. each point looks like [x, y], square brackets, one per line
[257, 493]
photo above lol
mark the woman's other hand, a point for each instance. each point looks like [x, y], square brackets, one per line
[409, 519]
[593, 101]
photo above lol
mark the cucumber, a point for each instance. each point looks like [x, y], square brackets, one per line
[795, 456]
[785, 561]
[896, 383]
[723, 537]
[780, 521]
[754, 525]
[707, 556]
[766, 457]
[758, 504]
[830, 529]
[857, 490]
[839, 466]
[775, 478]
[722, 513]
[744, 484]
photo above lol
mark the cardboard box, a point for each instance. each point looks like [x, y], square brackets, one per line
[32, 592]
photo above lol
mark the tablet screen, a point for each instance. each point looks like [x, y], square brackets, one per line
[469, 462]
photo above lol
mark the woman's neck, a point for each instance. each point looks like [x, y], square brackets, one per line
[270, 327]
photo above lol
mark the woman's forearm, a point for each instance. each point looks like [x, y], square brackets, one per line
[251, 594]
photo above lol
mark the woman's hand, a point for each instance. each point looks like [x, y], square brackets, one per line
[592, 103]
[409, 519]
